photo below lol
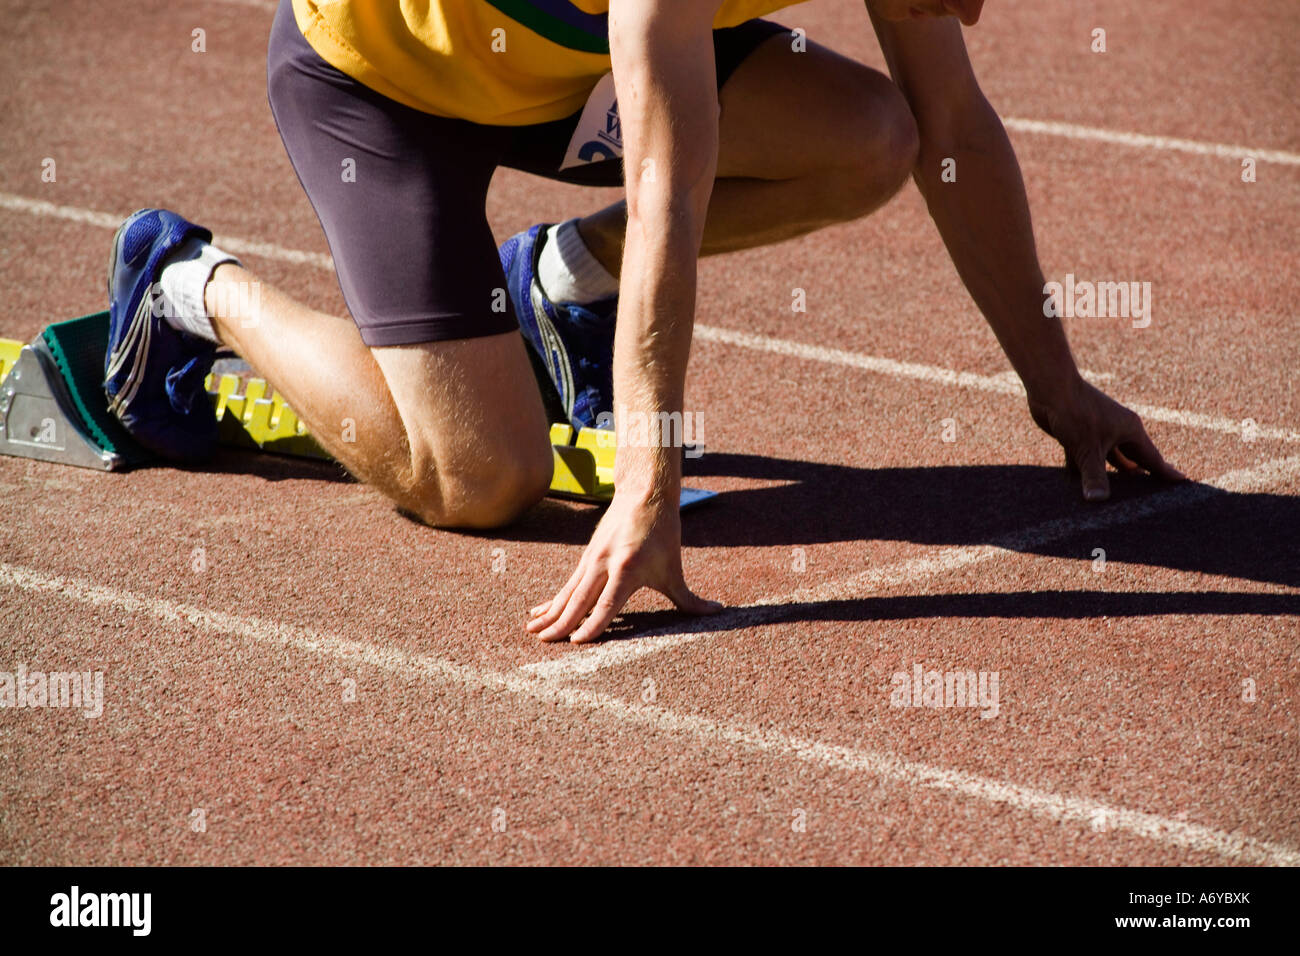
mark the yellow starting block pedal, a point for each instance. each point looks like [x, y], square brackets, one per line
[584, 467]
[10, 349]
[584, 464]
[247, 417]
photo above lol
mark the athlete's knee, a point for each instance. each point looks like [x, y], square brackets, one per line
[883, 149]
[900, 140]
[490, 500]
[487, 492]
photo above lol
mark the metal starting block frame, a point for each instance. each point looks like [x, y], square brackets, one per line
[36, 419]
[52, 408]
[43, 415]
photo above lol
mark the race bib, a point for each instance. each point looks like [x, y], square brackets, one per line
[599, 135]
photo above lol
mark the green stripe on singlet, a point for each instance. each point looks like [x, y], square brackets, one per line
[555, 29]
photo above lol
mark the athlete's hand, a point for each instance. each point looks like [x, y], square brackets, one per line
[1094, 429]
[635, 545]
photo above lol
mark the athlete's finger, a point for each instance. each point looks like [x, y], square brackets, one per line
[1143, 450]
[544, 615]
[1122, 461]
[579, 603]
[556, 603]
[617, 590]
[1092, 468]
[687, 600]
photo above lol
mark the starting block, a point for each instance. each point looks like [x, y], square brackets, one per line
[52, 408]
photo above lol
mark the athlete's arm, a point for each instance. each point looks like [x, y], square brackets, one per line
[664, 75]
[984, 220]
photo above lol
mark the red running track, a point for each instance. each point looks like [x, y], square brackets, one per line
[339, 685]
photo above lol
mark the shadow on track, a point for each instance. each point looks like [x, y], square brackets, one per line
[1055, 605]
[237, 461]
[1253, 537]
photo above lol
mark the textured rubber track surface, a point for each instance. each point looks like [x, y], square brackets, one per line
[327, 682]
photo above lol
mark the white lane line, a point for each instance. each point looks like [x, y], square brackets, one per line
[710, 734]
[1144, 141]
[915, 570]
[582, 662]
[1002, 383]
[868, 363]
[39, 207]
[106, 220]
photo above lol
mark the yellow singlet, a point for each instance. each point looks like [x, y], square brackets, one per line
[497, 62]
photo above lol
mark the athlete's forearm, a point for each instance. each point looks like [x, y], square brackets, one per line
[664, 74]
[983, 217]
[651, 348]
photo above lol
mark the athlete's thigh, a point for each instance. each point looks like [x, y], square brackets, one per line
[400, 194]
[401, 197]
[788, 111]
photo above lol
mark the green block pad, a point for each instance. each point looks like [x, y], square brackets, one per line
[78, 347]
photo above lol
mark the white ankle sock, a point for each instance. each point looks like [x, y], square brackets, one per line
[184, 277]
[568, 271]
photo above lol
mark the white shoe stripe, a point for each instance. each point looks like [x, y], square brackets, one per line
[125, 347]
[553, 345]
[134, 378]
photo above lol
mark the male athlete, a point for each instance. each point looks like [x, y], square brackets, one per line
[395, 117]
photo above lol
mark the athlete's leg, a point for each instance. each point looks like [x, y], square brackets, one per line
[452, 431]
[806, 139]
[427, 392]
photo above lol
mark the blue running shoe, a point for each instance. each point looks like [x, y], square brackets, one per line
[153, 374]
[574, 342]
